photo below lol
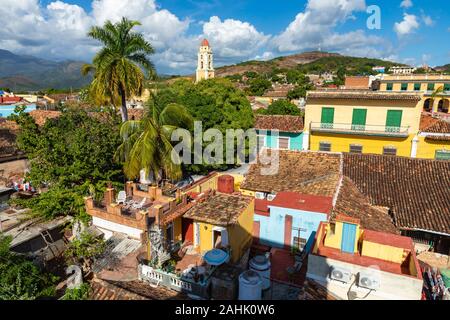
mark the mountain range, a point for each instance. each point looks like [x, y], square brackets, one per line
[28, 73]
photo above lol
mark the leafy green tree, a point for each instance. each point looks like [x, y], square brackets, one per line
[216, 103]
[20, 279]
[118, 65]
[282, 107]
[84, 249]
[147, 142]
[300, 91]
[81, 293]
[258, 86]
[68, 155]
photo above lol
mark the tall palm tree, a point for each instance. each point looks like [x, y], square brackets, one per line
[118, 66]
[146, 142]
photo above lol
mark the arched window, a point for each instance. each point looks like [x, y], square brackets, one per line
[428, 105]
[443, 106]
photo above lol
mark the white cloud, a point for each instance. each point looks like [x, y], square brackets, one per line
[406, 4]
[428, 20]
[233, 38]
[407, 26]
[315, 28]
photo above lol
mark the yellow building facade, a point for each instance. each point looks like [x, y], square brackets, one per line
[362, 121]
[426, 84]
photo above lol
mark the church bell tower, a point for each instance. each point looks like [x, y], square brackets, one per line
[205, 68]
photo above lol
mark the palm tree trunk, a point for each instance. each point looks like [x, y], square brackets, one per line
[123, 107]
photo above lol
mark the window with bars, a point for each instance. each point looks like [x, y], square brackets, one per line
[404, 87]
[390, 151]
[283, 142]
[389, 86]
[299, 243]
[325, 146]
[417, 86]
[442, 155]
[356, 148]
[430, 87]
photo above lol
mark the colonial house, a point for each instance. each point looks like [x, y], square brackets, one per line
[362, 121]
[361, 264]
[425, 84]
[279, 132]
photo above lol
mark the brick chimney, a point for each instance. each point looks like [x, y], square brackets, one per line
[129, 186]
[110, 196]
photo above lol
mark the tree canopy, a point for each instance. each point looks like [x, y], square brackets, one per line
[69, 156]
[214, 102]
[20, 279]
[281, 107]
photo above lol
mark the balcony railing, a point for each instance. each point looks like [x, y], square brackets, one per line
[158, 277]
[371, 130]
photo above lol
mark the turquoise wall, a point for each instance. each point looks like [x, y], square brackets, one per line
[271, 231]
[296, 139]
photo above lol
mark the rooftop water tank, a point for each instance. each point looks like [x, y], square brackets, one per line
[225, 184]
[261, 265]
[250, 286]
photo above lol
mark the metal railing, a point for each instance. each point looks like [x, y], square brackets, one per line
[348, 128]
[172, 281]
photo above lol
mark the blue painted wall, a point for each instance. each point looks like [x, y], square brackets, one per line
[7, 110]
[296, 139]
[272, 228]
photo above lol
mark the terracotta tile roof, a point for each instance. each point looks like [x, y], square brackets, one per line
[357, 82]
[362, 95]
[135, 114]
[41, 116]
[282, 123]
[298, 201]
[351, 202]
[8, 133]
[429, 124]
[131, 290]
[219, 209]
[416, 190]
[313, 173]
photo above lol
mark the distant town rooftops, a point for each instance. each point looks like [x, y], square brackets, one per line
[41, 116]
[219, 208]
[363, 95]
[282, 123]
[313, 173]
[415, 190]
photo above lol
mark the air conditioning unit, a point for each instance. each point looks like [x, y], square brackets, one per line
[369, 280]
[271, 197]
[341, 274]
[260, 195]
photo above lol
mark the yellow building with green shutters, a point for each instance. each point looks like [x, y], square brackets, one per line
[362, 121]
[422, 83]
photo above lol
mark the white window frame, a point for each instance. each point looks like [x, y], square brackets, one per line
[289, 142]
[196, 234]
[224, 235]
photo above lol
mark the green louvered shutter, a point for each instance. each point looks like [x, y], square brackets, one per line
[359, 119]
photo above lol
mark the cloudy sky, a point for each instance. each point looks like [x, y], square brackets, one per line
[412, 31]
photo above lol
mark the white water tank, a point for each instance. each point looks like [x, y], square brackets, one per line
[250, 286]
[261, 265]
